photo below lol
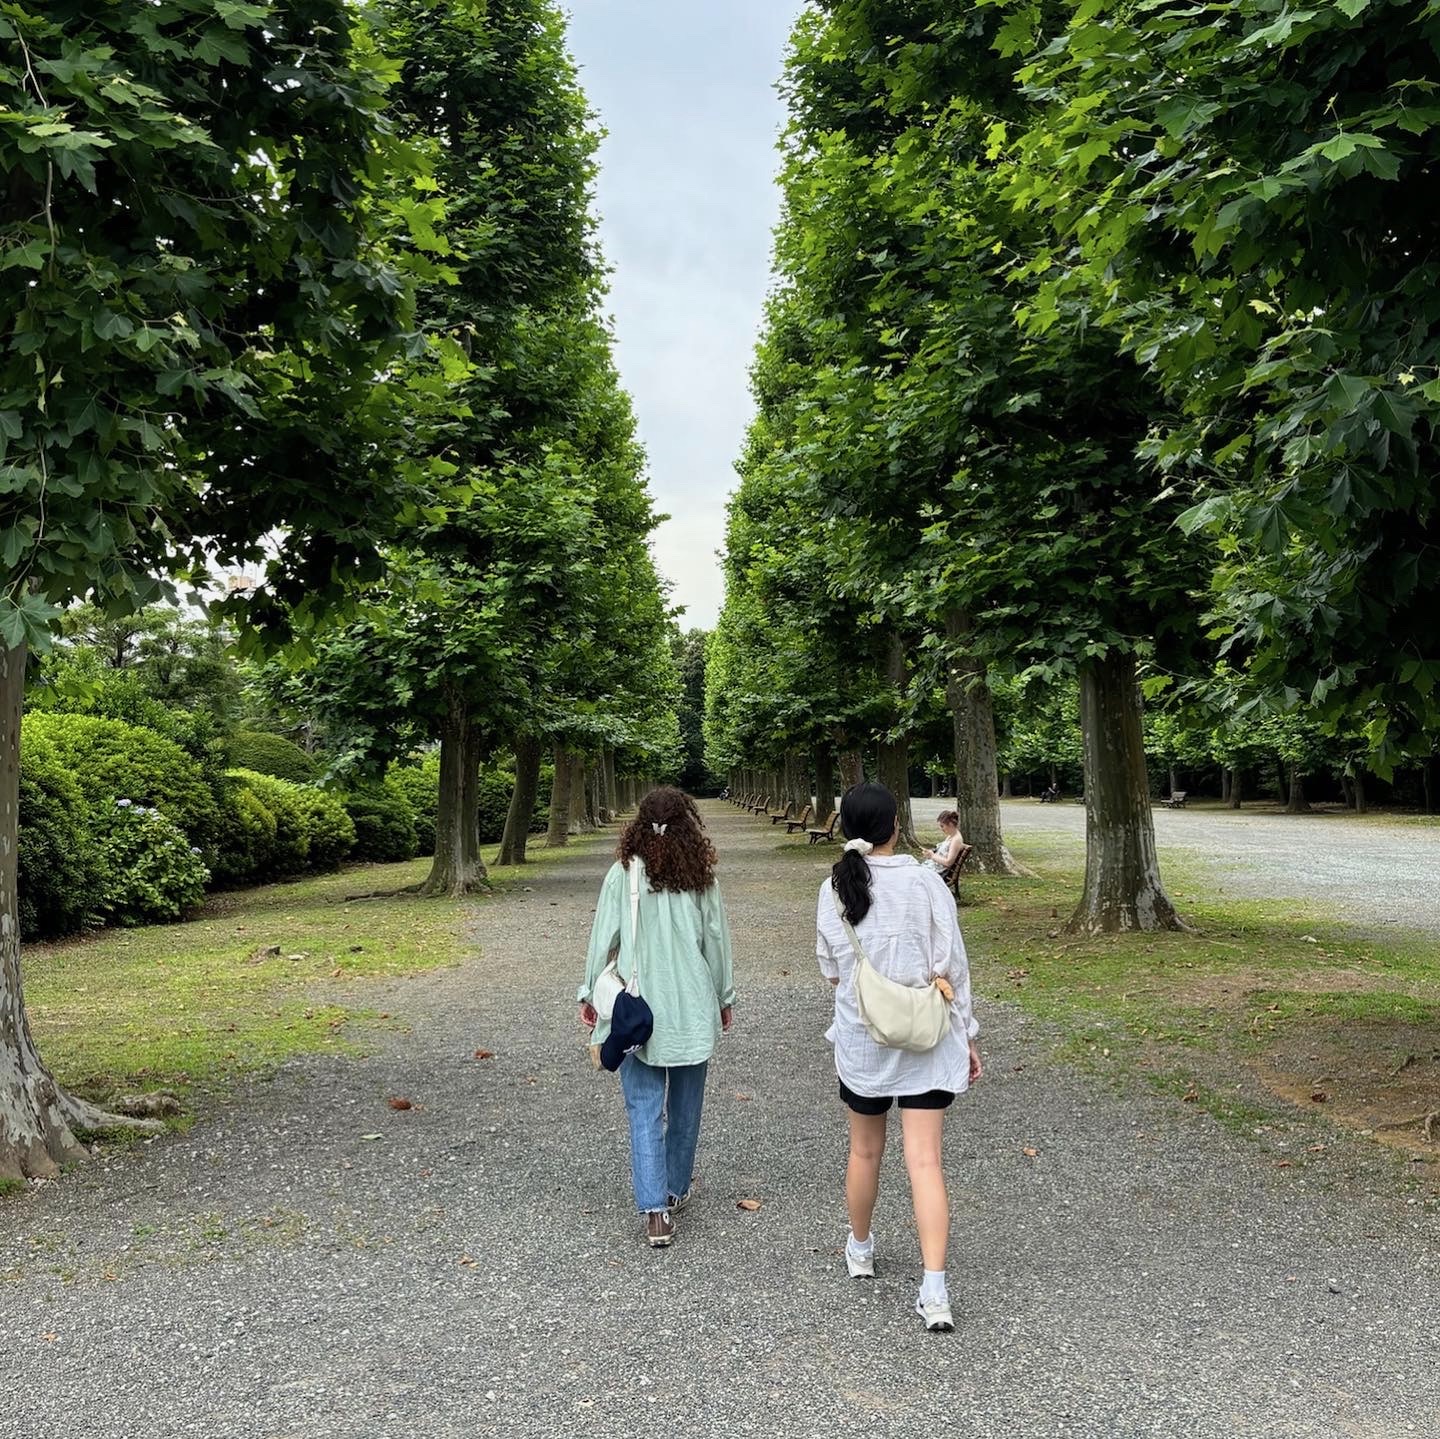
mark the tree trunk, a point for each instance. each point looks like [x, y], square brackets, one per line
[1225, 778]
[1427, 784]
[1237, 788]
[1297, 803]
[609, 804]
[797, 783]
[1007, 787]
[39, 1121]
[522, 801]
[977, 790]
[1357, 784]
[457, 869]
[894, 765]
[578, 823]
[1347, 792]
[824, 785]
[592, 794]
[560, 790]
[852, 769]
[1174, 780]
[1122, 870]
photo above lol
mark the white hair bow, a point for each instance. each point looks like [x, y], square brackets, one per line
[659, 828]
[861, 847]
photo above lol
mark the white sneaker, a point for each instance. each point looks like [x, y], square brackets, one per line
[936, 1314]
[860, 1264]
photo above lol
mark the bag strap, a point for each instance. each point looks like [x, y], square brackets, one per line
[849, 928]
[634, 985]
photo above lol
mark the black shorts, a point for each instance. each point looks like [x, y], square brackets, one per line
[866, 1104]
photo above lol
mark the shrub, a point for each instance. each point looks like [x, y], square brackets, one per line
[290, 852]
[419, 781]
[271, 754]
[328, 827]
[152, 873]
[245, 847]
[112, 760]
[384, 824]
[59, 867]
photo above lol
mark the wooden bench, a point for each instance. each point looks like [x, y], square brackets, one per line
[782, 816]
[951, 873]
[801, 820]
[1176, 800]
[824, 836]
[758, 803]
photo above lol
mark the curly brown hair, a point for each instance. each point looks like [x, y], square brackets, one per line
[682, 859]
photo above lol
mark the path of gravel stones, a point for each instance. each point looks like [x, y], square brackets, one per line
[477, 1270]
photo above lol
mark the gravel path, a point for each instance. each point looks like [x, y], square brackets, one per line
[476, 1269]
[1375, 872]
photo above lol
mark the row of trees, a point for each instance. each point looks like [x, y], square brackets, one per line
[314, 292]
[1103, 354]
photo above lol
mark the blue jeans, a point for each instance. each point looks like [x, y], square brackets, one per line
[662, 1136]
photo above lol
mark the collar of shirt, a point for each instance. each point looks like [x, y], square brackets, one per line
[891, 859]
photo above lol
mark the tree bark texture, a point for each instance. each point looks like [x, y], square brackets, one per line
[608, 802]
[894, 763]
[1296, 803]
[516, 838]
[593, 772]
[560, 790]
[797, 782]
[1236, 797]
[852, 769]
[977, 787]
[39, 1121]
[457, 869]
[1122, 870]
[824, 785]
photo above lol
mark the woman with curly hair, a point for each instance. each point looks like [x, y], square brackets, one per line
[682, 943]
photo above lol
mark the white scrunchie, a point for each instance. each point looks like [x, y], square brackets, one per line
[659, 828]
[861, 847]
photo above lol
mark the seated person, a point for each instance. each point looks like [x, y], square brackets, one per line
[944, 852]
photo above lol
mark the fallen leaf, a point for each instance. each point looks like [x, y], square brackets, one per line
[368, 1138]
[1030, 1153]
[401, 1104]
[744, 1098]
[748, 1205]
[466, 1262]
[484, 1054]
[336, 972]
[1282, 1164]
[1319, 1097]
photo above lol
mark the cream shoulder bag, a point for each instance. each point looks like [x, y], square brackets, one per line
[897, 1016]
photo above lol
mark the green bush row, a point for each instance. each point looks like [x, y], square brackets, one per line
[121, 825]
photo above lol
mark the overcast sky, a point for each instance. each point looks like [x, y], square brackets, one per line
[687, 197]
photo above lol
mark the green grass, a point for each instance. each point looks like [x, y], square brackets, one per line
[191, 1006]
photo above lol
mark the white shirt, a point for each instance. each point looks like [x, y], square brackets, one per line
[911, 935]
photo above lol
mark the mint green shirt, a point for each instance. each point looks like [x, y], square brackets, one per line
[686, 972]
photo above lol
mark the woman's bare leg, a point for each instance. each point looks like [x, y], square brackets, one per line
[923, 1129]
[862, 1175]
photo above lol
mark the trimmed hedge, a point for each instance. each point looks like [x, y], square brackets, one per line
[419, 781]
[274, 828]
[271, 754]
[111, 760]
[384, 825]
[59, 866]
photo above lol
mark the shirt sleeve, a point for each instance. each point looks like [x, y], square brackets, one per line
[715, 944]
[824, 950]
[605, 932]
[947, 952]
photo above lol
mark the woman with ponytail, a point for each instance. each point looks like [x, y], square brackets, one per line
[681, 945]
[905, 921]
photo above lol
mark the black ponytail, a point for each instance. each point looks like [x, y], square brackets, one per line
[869, 812]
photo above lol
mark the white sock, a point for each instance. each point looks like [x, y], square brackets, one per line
[859, 1250]
[932, 1287]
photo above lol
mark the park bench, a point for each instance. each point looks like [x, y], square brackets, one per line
[757, 805]
[778, 816]
[951, 873]
[1176, 800]
[801, 820]
[823, 836]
